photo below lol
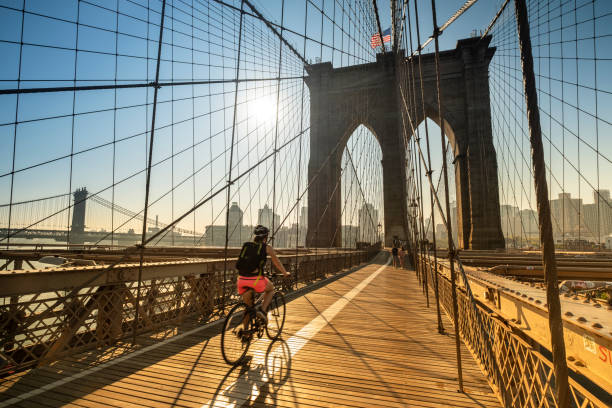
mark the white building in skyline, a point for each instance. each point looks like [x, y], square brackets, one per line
[267, 217]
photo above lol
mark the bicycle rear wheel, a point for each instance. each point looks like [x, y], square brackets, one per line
[234, 342]
[276, 316]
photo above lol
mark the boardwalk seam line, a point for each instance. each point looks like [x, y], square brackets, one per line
[303, 336]
[55, 384]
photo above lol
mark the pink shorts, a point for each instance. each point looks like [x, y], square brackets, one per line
[258, 283]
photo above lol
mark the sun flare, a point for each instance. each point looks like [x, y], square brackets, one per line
[264, 109]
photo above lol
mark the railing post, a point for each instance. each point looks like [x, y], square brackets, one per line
[555, 322]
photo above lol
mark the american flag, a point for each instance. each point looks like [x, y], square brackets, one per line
[375, 40]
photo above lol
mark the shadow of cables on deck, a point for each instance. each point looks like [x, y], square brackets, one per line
[171, 357]
[128, 369]
[257, 380]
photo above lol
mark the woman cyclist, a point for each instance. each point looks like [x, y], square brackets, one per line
[250, 266]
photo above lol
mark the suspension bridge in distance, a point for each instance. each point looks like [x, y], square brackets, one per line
[77, 233]
[217, 115]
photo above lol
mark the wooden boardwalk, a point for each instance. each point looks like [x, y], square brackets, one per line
[364, 340]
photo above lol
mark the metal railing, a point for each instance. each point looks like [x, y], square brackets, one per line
[43, 318]
[519, 374]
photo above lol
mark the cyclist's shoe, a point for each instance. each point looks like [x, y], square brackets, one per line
[261, 314]
[244, 336]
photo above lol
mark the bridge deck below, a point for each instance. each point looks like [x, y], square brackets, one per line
[342, 346]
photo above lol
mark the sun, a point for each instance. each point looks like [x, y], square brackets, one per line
[263, 109]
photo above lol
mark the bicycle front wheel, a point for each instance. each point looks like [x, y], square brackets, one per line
[236, 338]
[276, 316]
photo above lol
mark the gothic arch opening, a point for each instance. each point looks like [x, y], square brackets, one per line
[435, 223]
[362, 188]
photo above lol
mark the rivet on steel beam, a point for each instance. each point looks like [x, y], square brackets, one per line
[538, 301]
[582, 319]
[597, 325]
[569, 314]
[596, 305]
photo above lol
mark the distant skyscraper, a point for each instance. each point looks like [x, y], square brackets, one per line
[303, 226]
[454, 226]
[304, 217]
[565, 213]
[235, 216]
[266, 217]
[368, 223]
[598, 216]
[235, 232]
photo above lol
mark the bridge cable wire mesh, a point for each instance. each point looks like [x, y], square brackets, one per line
[199, 87]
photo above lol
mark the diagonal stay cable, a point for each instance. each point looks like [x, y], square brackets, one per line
[269, 25]
[455, 16]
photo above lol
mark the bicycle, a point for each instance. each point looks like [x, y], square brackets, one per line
[237, 336]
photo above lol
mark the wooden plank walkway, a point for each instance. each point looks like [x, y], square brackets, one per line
[364, 340]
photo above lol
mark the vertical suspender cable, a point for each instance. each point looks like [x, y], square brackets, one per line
[193, 121]
[299, 173]
[231, 162]
[76, 59]
[420, 237]
[148, 182]
[278, 85]
[449, 232]
[172, 121]
[112, 234]
[421, 263]
[431, 194]
[10, 210]
[555, 322]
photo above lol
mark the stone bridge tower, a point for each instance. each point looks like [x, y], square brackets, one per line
[341, 99]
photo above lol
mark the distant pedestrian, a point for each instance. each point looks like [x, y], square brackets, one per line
[395, 254]
[402, 255]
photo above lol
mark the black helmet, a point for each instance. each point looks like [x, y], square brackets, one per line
[261, 231]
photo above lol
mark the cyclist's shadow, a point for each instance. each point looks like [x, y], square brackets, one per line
[258, 380]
